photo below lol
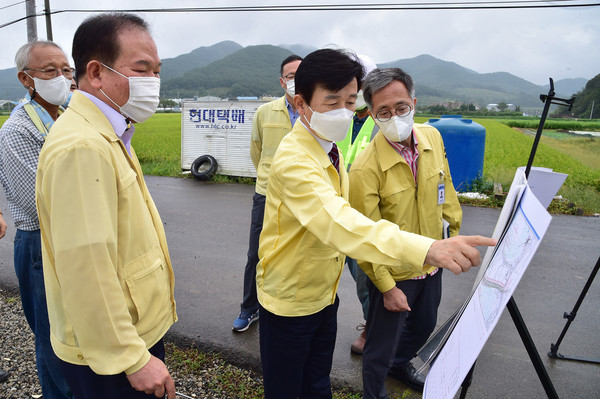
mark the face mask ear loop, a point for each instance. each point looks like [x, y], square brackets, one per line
[32, 88]
[127, 120]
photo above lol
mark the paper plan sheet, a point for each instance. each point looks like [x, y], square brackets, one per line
[512, 255]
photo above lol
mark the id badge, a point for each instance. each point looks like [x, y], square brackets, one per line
[441, 193]
[441, 189]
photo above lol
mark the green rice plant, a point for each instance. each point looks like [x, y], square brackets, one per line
[556, 124]
[584, 149]
[507, 149]
[157, 143]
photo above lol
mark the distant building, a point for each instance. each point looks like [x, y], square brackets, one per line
[495, 107]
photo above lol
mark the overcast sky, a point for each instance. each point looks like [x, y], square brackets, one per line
[533, 44]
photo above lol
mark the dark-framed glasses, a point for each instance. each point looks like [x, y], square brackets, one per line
[401, 111]
[289, 76]
[51, 72]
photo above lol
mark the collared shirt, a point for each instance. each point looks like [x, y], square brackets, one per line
[293, 113]
[382, 187]
[325, 145]
[409, 154]
[20, 146]
[118, 122]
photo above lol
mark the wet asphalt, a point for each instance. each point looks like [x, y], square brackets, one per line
[207, 227]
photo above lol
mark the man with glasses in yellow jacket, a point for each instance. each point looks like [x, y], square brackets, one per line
[403, 177]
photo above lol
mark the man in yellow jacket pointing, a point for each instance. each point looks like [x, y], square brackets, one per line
[309, 224]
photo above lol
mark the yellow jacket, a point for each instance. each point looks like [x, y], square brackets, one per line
[108, 275]
[309, 224]
[382, 186]
[271, 123]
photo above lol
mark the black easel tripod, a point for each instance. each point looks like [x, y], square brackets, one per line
[511, 305]
[570, 317]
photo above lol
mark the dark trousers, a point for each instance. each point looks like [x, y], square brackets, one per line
[86, 384]
[250, 300]
[296, 353]
[29, 270]
[393, 338]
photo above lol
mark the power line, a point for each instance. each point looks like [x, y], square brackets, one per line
[479, 5]
[14, 4]
[464, 5]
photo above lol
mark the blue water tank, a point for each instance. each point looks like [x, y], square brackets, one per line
[465, 147]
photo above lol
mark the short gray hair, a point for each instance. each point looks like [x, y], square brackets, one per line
[379, 78]
[23, 54]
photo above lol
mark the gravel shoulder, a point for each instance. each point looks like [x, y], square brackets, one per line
[196, 374]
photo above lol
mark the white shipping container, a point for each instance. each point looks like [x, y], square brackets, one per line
[221, 129]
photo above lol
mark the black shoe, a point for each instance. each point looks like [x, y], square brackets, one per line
[4, 375]
[409, 376]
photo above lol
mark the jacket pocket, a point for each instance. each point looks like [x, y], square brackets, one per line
[319, 273]
[150, 293]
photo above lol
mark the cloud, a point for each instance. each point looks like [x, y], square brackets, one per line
[532, 44]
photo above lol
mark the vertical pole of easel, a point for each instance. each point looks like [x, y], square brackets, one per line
[512, 307]
[531, 349]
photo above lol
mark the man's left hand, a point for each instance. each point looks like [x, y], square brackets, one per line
[153, 378]
[394, 300]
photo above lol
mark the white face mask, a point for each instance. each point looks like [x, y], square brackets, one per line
[291, 87]
[143, 99]
[360, 101]
[331, 125]
[397, 129]
[55, 91]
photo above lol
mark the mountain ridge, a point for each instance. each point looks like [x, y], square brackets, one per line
[227, 69]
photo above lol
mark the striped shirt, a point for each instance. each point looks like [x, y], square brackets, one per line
[20, 146]
[411, 155]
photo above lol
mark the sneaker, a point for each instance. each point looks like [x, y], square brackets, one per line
[359, 344]
[244, 320]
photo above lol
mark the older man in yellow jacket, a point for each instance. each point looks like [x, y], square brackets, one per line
[309, 225]
[402, 176]
[108, 274]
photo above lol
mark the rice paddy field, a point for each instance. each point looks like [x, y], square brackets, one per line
[158, 146]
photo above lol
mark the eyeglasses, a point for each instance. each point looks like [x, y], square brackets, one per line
[52, 72]
[289, 76]
[401, 110]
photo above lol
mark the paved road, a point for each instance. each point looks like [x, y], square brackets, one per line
[207, 228]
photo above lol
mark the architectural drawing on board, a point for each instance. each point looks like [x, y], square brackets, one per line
[508, 264]
[514, 251]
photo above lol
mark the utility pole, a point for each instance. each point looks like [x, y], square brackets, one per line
[31, 21]
[48, 20]
[592, 111]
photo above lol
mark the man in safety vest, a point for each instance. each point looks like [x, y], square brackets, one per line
[360, 133]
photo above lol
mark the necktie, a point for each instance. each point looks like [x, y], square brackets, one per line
[334, 157]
